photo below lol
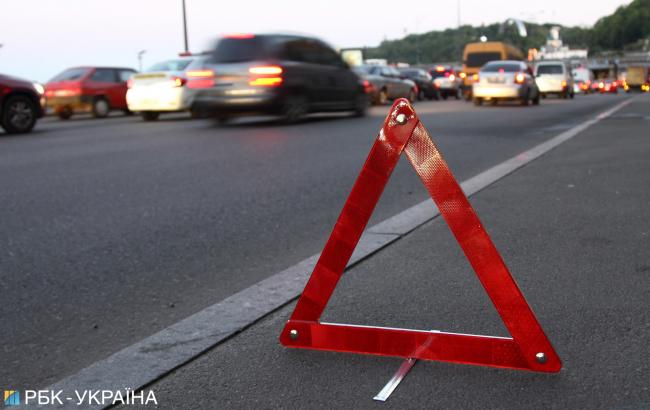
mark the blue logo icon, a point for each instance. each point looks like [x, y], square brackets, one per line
[12, 398]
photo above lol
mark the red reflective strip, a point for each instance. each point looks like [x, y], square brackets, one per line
[528, 338]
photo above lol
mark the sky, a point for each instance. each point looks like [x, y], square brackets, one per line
[40, 38]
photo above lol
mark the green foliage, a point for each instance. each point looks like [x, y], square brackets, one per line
[628, 25]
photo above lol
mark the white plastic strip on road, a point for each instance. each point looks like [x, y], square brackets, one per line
[142, 363]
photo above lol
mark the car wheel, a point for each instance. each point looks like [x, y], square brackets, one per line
[383, 97]
[421, 95]
[127, 112]
[412, 96]
[526, 98]
[543, 95]
[536, 99]
[19, 115]
[100, 108]
[459, 94]
[64, 113]
[361, 104]
[294, 109]
[478, 101]
[444, 95]
[149, 115]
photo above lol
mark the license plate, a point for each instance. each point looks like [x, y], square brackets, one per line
[496, 80]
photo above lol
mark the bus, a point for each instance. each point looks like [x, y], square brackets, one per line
[478, 54]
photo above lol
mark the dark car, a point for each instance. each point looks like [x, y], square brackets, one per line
[276, 74]
[21, 104]
[385, 83]
[97, 90]
[423, 80]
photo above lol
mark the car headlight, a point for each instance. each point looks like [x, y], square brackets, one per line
[39, 88]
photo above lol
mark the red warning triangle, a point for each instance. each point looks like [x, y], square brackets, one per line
[527, 349]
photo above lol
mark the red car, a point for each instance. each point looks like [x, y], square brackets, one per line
[606, 86]
[21, 104]
[97, 90]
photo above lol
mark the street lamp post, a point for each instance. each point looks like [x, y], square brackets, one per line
[140, 54]
[187, 48]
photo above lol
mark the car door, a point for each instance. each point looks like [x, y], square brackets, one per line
[121, 87]
[103, 83]
[343, 83]
[303, 73]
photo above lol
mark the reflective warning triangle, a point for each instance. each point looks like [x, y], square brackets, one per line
[527, 349]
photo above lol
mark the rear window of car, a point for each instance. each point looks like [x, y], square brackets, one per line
[438, 73]
[237, 50]
[479, 59]
[70, 74]
[171, 65]
[550, 69]
[503, 67]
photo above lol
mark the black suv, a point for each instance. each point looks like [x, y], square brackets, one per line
[283, 75]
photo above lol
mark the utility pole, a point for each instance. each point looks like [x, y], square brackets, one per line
[187, 48]
[140, 54]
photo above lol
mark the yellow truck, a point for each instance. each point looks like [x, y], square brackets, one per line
[637, 79]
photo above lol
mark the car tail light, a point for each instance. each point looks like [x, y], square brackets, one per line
[440, 69]
[367, 87]
[520, 78]
[239, 35]
[200, 78]
[475, 77]
[179, 81]
[614, 83]
[266, 70]
[601, 85]
[129, 83]
[452, 77]
[266, 76]
[563, 84]
[462, 75]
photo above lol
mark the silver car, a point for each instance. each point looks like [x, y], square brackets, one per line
[505, 80]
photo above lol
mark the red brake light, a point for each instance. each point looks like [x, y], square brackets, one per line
[179, 81]
[129, 83]
[452, 77]
[200, 78]
[367, 86]
[266, 76]
[520, 78]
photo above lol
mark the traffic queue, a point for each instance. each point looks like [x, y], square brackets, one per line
[290, 76]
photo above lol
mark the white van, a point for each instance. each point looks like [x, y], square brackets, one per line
[554, 77]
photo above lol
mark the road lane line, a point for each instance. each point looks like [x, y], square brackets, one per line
[149, 359]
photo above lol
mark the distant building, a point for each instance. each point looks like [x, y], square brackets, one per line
[556, 50]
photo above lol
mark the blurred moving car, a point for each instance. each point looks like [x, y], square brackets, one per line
[505, 80]
[447, 82]
[97, 90]
[384, 83]
[423, 80]
[583, 79]
[21, 104]
[163, 88]
[608, 85]
[554, 77]
[285, 75]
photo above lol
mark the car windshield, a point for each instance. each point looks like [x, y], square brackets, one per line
[237, 50]
[70, 74]
[479, 59]
[501, 67]
[550, 69]
[410, 73]
[171, 65]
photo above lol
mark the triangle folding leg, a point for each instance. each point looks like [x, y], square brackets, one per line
[527, 349]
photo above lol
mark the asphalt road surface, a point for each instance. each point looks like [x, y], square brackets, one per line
[111, 230]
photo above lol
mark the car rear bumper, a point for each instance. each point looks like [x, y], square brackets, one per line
[159, 99]
[243, 100]
[76, 103]
[497, 91]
